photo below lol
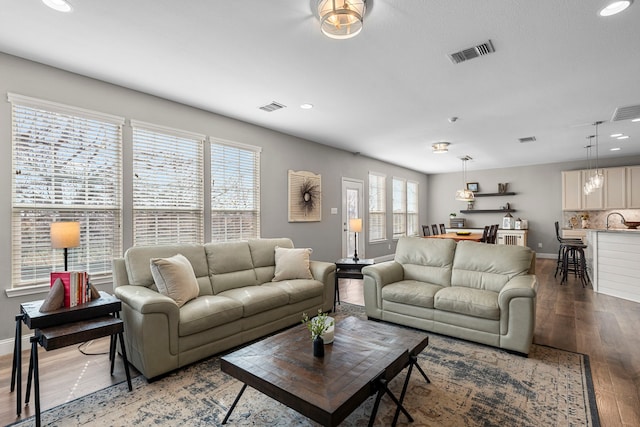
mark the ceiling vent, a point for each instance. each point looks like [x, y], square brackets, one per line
[527, 139]
[269, 108]
[472, 52]
[626, 113]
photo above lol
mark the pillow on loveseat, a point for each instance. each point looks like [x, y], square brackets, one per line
[292, 264]
[175, 278]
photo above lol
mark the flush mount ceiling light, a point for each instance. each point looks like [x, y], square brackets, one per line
[615, 7]
[440, 147]
[341, 19]
[59, 5]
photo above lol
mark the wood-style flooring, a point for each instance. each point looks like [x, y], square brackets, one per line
[568, 317]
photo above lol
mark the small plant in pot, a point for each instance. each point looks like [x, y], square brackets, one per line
[318, 326]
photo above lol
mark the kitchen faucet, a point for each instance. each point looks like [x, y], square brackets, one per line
[614, 213]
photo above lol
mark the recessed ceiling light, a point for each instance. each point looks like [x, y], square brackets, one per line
[615, 135]
[59, 5]
[636, 120]
[615, 7]
[614, 149]
[306, 106]
[623, 137]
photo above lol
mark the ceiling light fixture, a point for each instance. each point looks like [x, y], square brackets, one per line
[59, 5]
[615, 7]
[306, 106]
[636, 120]
[341, 19]
[614, 149]
[464, 195]
[615, 135]
[623, 137]
[440, 147]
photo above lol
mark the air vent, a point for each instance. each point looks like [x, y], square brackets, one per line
[626, 113]
[527, 139]
[272, 107]
[472, 52]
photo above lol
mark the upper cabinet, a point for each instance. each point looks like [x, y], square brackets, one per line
[621, 190]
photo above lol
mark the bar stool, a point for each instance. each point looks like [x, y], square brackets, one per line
[563, 240]
[573, 260]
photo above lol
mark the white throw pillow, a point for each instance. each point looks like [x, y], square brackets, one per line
[175, 278]
[292, 264]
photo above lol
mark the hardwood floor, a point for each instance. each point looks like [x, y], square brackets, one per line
[568, 317]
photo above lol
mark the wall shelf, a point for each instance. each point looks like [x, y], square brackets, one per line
[487, 210]
[508, 193]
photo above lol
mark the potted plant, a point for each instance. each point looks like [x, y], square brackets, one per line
[452, 215]
[318, 326]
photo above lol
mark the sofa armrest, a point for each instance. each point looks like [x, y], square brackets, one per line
[119, 268]
[145, 300]
[518, 287]
[325, 272]
[517, 302]
[375, 278]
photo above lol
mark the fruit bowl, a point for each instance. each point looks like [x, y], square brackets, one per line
[466, 233]
[632, 224]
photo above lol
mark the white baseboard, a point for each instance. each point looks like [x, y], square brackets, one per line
[546, 256]
[6, 345]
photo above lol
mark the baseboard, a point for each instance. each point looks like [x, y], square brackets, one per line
[6, 345]
[546, 256]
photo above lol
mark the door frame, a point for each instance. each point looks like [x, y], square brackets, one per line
[358, 184]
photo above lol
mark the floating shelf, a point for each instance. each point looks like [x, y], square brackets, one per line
[487, 210]
[493, 194]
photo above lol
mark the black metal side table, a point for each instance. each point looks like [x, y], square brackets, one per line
[347, 268]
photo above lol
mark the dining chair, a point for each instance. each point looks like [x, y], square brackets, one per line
[485, 234]
[434, 229]
[493, 234]
[443, 229]
[425, 230]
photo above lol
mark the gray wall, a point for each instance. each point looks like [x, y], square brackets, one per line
[538, 197]
[279, 154]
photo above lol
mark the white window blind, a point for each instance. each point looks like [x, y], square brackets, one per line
[413, 228]
[377, 207]
[168, 185]
[66, 167]
[399, 195]
[235, 191]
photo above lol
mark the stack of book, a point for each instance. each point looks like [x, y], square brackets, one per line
[76, 286]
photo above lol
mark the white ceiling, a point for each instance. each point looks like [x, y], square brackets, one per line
[387, 93]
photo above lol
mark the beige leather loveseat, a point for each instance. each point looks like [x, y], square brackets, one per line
[475, 291]
[235, 299]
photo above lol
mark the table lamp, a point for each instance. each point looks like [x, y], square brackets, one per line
[65, 235]
[355, 225]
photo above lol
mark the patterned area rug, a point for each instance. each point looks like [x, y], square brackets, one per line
[471, 385]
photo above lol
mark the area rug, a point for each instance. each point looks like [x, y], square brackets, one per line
[471, 385]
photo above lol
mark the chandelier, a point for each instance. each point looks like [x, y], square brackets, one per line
[341, 19]
[464, 195]
[596, 177]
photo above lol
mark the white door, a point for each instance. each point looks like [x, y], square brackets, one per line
[352, 207]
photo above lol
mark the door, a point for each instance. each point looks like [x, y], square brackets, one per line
[352, 207]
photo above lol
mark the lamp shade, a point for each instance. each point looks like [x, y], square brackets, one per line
[65, 234]
[355, 225]
[341, 19]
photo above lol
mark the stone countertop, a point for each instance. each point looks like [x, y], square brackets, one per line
[611, 230]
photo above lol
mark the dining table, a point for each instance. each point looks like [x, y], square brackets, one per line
[472, 237]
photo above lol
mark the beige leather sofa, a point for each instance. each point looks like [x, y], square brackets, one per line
[236, 303]
[475, 291]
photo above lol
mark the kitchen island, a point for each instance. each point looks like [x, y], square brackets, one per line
[613, 260]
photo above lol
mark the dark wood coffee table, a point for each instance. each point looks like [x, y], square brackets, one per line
[363, 357]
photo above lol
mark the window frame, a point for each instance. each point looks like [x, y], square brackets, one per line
[377, 227]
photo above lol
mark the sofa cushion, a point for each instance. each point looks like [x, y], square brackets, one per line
[468, 301]
[208, 312]
[426, 260]
[256, 299]
[175, 278]
[230, 265]
[411, 292]
[489, 267]
[292, 264]
[299, 290]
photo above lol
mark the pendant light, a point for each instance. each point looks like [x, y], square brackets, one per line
[598, 177]
[588, 185]
[464, 195]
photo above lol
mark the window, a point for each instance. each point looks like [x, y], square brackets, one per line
[377, 207]
[413, 228]
[168, 190]
[235, 191]
[66, 167]
[399, 208]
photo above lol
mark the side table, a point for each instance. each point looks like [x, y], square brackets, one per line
[61, 328]
[347, 268]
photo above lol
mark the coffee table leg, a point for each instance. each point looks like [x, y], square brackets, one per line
[413, 361]
[233, 405]
[381, 383]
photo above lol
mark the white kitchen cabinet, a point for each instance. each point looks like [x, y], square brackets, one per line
[512, 237]
[595, 199]
[572, 190]
[615, 188]
[633, 187]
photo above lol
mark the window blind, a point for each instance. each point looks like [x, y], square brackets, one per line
[399, 202]
[168, 185]
[413, 228]
[235, 191]
[66, 167]
[377, 207]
